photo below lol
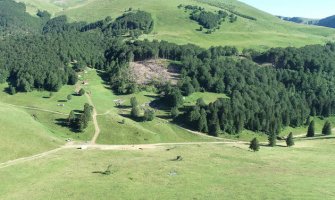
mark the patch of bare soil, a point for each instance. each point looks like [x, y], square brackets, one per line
[157, 71]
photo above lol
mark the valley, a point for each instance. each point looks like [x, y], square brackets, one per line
[180, 99]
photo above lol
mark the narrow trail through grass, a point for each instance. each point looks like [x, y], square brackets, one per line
[95, 121]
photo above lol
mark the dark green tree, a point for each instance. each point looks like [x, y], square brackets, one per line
[327, 129]
[202, 123]
[201, 103]
[311, 129]
[289, 140]
[215, 129]
[254, 145]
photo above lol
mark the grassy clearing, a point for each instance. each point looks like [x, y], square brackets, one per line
[305, 171]
[267, 31]
[21, 135]
[208, 97]
[132, 132]
[42, 99]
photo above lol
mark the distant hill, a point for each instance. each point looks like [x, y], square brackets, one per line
[174, 24]
[300, 20]
[326, 22]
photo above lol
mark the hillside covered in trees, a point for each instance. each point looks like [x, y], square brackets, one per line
[267, 91]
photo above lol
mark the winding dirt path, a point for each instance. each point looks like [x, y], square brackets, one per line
[90, 146]
[95, 121]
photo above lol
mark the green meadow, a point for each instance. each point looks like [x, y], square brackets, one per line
[173, 24]
[207, 171]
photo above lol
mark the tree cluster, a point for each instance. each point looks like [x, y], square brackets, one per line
[80, 122]
[207, 19]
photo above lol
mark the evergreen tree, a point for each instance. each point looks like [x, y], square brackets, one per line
[272, 138]
[188, 89]
[72, 119]
[201, 103]
[88, 112]
[215, 129]
[135, 112]
[289, 140]
[327, 129]
[133, 102]
[202, 124]
[254, 145]
[311, 129]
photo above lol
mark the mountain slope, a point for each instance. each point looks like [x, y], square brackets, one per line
[21, 135]
[174, 24]
[327, 22]
[14, 19]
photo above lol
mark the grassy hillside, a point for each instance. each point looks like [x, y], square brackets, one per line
[21, 135]
[207, 171]
[267, 31]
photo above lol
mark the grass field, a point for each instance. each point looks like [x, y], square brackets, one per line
[207, 171]
[267, 31]
[21, 135]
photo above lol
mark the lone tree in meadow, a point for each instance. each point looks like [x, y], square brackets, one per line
[289, 140]
[254, 145]
[81, 92]
[311, 129]
[327, 129]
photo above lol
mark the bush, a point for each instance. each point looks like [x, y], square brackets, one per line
[81, 92]
[69, 97]
[149, 115]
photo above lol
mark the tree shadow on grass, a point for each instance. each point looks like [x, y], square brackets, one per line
[64, 123]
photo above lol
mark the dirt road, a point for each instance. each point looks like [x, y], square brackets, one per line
[95, 121]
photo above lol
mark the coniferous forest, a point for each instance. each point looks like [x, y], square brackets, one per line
[267, 90]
